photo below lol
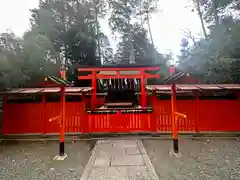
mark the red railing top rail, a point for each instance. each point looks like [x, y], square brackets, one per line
[47, 90]
[128, 76]
[178, 114]
[148, 68]
[109, 109]
[194, 87]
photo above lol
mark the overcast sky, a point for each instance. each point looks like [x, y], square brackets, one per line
[166, 25]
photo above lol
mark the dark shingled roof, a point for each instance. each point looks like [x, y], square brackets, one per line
[121, 66]
[174, 77]
[59, 81]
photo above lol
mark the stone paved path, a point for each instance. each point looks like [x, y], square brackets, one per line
[119, 160]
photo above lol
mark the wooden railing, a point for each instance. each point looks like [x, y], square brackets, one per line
[181, 115]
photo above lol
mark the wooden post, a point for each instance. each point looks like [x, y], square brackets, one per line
[94, 91]
[238, 96]
[4, 108]
[196, 110]
[63, 75]
[143, 91]
[174, 128]
[154, 114]
[84, 117]
[44, 114]
[63, 121]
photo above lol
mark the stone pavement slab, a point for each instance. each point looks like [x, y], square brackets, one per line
[127, 160]
[139, 172]
[102, 160]
[102, 173]
[120, 160]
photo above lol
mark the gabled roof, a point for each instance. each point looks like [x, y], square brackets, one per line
[199, 87]
[59, 81]
[48, 90]
[174, 76]
[50, 81]
[121, 66]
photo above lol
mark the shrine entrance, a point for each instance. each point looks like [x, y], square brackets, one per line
[120, 121]
[124, 107]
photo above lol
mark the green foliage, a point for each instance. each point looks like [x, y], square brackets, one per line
[71, 26]
[24, 60]
[128, 19]
[216, 59]
[66, 33]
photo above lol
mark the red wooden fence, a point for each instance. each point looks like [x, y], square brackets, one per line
[203, 115]
[163, 115]
[120, 122]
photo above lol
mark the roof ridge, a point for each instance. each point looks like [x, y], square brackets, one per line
[61, 81]
[172, 77]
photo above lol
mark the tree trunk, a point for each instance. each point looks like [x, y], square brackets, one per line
[130, 35]
[149, 29]
[201, 18]
[141, 16]
[215, 12]
[132, 51]
[151, 37]
[63, 19]
[97, 29]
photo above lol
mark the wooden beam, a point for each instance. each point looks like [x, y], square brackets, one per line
[63, 121]
[173, 108]
[4, 108]
[178, 114]
[94, 90]
[196, 111]
[155, 112]
[143, 90]
[120, 69]
[54, 119]
[119, 104]
[129, 76]
[44, 113]
[174, 125]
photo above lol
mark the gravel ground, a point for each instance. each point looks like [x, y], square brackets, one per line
[210, 159]
[34, 160]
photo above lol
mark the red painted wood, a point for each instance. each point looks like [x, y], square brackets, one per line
[196, 113]
[23, 118]
[213, 115]
[221, 115]
[120, 69]
[143, 90]
[4, 108]
[163, 115]
[74, 116]
[119, 122]
[154, 114]
[94, 91]
[187, 80]
[98, 76]
[172, 69]
[173, 110]
[44, 113]
[53, 109]
[62, 113]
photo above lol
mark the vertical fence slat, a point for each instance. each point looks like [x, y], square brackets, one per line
[203, 115]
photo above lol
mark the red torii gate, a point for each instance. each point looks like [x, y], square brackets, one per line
[142, 76]
[94, 76]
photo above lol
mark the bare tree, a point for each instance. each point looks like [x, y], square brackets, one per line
[189, 35]
[200, 14]
[215, 12]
